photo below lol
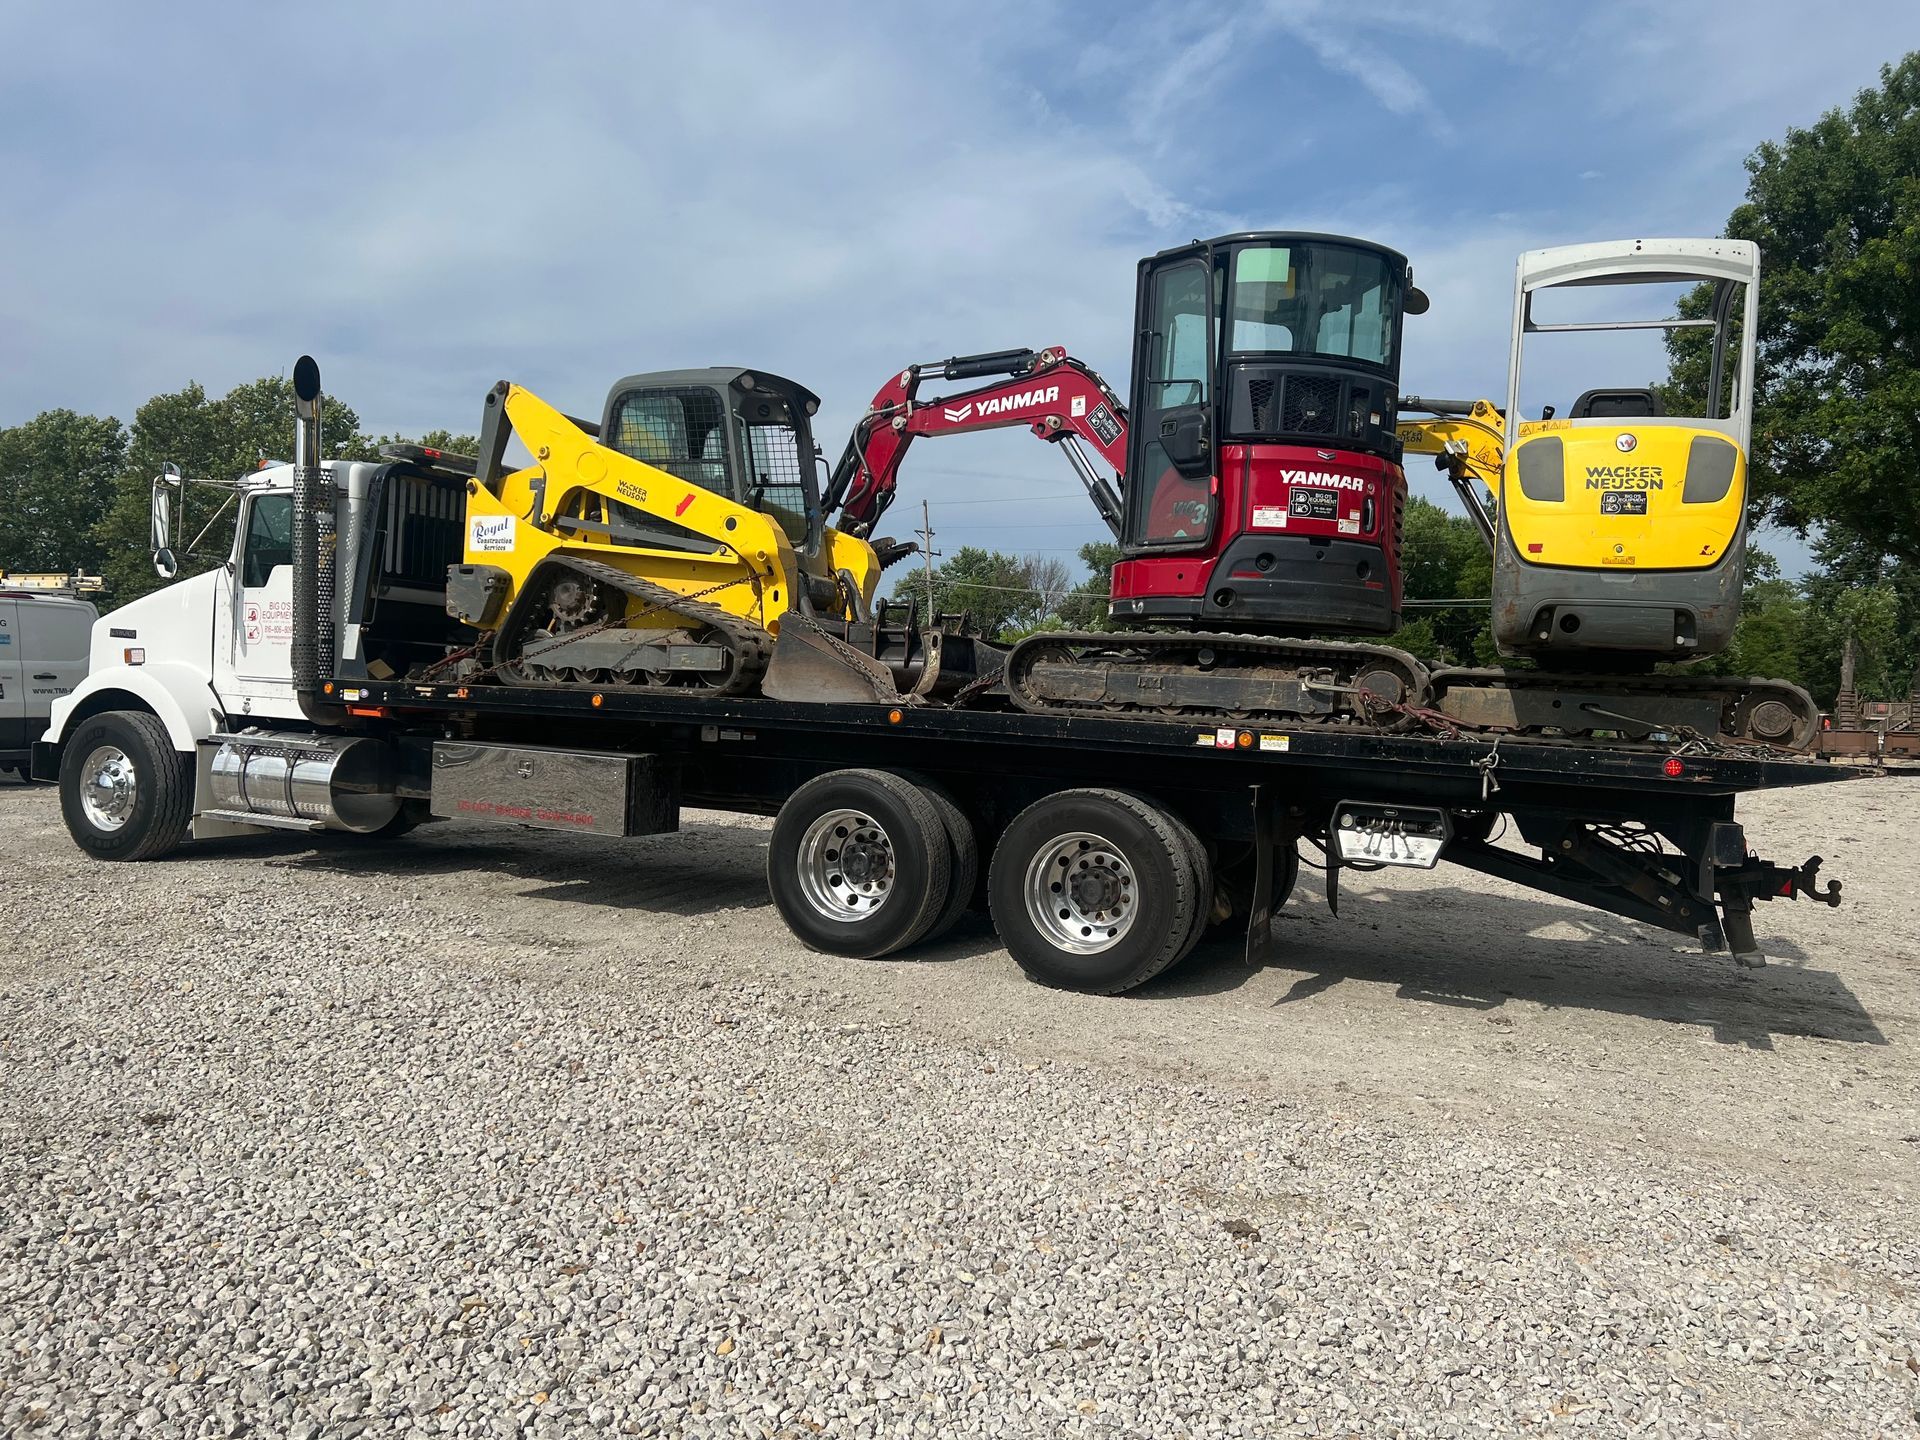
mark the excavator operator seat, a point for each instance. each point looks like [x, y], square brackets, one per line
[1617, 405]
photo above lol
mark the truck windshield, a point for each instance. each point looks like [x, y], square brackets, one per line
[1314, 299]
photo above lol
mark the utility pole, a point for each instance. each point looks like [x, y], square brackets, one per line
[927, 552]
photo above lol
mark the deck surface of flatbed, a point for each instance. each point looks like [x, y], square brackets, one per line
[1250, 751]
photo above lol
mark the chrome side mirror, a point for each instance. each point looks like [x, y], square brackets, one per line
[166, 486]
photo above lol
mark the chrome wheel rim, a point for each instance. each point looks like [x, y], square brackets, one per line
[109, 785]
[847, 866]
[1081, 893]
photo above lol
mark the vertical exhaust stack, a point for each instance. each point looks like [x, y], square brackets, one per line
[314, 631]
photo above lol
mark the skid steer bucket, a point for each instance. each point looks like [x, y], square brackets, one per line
[814, 667]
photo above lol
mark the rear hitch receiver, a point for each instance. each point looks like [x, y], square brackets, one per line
[1749, 878]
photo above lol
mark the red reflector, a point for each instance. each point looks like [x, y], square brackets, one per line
[1787, 889]
[1535, 549]
[1674, 767]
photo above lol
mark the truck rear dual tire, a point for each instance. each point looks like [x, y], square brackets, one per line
[125, 792]
[963, 846]
[1098, 890]
[860, 863]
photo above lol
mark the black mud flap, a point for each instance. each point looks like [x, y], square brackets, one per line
[813, 667]
[1260, 942]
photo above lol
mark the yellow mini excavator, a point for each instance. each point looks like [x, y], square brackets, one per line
[1619, 530]
[681, 542]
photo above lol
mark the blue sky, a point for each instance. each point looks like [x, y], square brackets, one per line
[431, 197]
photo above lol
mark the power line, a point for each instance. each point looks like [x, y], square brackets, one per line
[1023, 495]
[1043, 590]
[1060, 525]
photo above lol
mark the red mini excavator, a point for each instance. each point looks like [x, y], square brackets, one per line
[1260, 490]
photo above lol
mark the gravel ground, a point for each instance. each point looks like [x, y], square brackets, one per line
[493, 1133]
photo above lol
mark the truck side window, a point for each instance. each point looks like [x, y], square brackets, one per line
[269, 538]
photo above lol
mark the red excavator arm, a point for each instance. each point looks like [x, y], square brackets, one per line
[1050, 392]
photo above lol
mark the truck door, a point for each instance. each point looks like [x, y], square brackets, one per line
[13, 693]
[257, 658]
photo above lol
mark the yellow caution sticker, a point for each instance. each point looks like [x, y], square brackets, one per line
[1276, 742]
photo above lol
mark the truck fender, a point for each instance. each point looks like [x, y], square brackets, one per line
[178, 694]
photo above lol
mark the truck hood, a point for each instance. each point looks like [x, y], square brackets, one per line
[173, 623]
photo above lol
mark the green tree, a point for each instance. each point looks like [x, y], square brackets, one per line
[56, 477]
[1835, 209]
[219, 440]
[1084, 607]
[1442, 557]
[1001, 593]
[1878, 604]
[445, 440]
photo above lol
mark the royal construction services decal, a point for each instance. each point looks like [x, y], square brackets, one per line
[490, 534]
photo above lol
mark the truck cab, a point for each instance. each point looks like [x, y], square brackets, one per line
[181, 674]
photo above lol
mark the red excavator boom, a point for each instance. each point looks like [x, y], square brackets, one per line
[1050, 392]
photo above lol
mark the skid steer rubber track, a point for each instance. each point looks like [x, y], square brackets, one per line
[1183, 677]
[1727, 709]
[748, 644]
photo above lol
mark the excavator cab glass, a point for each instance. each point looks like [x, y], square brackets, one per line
[1331, 300]
[1269, 338]
[743, 434]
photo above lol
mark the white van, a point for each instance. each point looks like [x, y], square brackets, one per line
[44, 634]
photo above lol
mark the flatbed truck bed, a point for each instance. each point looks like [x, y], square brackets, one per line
[1260, 789]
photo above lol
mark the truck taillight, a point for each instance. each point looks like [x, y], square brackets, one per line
[134, 655]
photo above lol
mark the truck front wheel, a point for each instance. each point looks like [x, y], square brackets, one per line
[125, 792]
[1097, 890]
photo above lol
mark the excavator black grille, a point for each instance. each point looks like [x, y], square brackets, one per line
[1260, 397]
[1310, 406]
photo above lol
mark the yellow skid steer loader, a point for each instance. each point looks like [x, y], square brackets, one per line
[680, 542]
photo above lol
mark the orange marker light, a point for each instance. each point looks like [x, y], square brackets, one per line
[598, 701]
[1244, 739]
[894, 717]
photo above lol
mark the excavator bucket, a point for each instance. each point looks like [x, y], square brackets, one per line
[814, 667]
